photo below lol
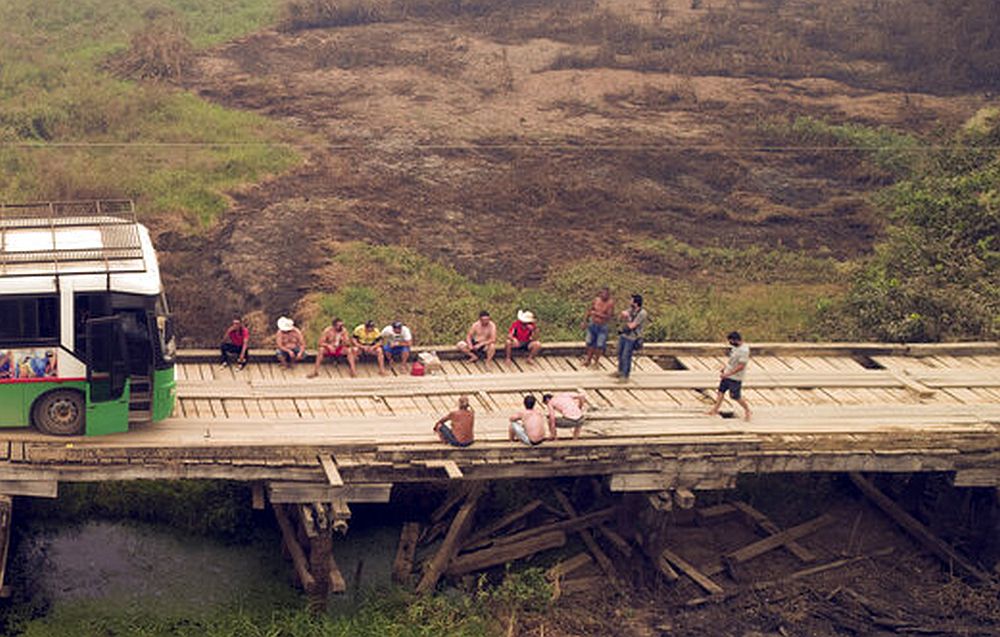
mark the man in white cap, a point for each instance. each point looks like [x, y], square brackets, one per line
[291, 344]
[523, 335]
[397, 339]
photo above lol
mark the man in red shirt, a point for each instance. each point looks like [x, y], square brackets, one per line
[236, 340]
[523, 335]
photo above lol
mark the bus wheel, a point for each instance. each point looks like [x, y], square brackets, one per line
[60, 413]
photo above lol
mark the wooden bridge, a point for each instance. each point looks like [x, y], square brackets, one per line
[817, 408]
[321, 444]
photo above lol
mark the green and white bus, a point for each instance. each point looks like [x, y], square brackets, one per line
[85, 340]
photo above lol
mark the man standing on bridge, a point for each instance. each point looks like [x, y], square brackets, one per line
[630, 336]
[731, 375]
[600, 312]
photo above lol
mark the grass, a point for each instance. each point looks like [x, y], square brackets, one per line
[53, 92]
[362, 281]
[392, 613]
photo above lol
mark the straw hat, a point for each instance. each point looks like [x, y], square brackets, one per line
[525, 316]
[285, 324]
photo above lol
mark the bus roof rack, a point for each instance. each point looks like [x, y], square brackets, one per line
[70, 237]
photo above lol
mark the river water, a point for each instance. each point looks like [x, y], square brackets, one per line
[125, 567]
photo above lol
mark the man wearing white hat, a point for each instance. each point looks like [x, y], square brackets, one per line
[290, 341]
[523, 335]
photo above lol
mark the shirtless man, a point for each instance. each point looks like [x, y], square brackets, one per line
[596, 325]
[459, 433]
[481, 340]
[291, 344]
[528, 425]
[335, 342]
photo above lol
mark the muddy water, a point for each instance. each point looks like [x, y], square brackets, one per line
[136, 566]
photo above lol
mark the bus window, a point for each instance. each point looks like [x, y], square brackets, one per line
[28, 319]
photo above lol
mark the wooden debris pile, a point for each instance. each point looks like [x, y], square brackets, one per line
[531, 529]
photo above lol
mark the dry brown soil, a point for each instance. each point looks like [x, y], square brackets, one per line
[455, 136]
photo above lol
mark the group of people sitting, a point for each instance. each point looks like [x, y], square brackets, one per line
[529, 426]
[387, 346]
[394, 341]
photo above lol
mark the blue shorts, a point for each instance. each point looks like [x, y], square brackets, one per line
[449, 437]
[284, 356]
[734, 387]
[395, 350]
[597, 335]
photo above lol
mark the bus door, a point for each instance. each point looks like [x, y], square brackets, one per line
[107, 376]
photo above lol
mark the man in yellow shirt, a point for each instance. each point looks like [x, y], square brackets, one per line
[368, 340]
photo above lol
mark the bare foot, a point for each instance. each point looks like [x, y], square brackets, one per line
[711, 412]
[312, 374]
[746, 416]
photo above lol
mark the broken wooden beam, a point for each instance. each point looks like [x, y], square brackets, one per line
[494, 556]
[615, 539]
[333, 476]
[580, 584]
[452, 540]
[661, 501]
[571, 525]
[688, 569]
[299, 560]
[402, 566]
[684, 498]
[588, 540]
[334, 576]
[564, 568]
[658, 560]
[450, 467]
[504, 522]
[765, 524]
[716, 513]
[772, 542]
[918, 531]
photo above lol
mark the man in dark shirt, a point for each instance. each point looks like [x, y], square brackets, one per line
[236, 340]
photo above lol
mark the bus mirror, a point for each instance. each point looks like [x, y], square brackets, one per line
[107, 362]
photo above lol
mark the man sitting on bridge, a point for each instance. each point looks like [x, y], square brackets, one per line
[397, 340]
[291, 344]
[459, 434]
[481, 340]
[335, 343]
[528, 425]
[523, 335]
[236, 340]
[368, 340]
[565, 411]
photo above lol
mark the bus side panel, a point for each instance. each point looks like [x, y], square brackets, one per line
[13, 409]
[28, 394]
[109, 417]
[164, 393]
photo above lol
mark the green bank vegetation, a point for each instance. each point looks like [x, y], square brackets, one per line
[65, 113]
[394, 613]
[384, 282]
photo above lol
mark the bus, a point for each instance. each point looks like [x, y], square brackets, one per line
[86, 345]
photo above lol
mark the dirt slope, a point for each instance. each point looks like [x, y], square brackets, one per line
[471, 143]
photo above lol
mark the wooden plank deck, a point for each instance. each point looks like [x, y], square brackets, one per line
[824, 407]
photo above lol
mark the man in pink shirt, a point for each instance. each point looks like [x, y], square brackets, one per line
[565, 411]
